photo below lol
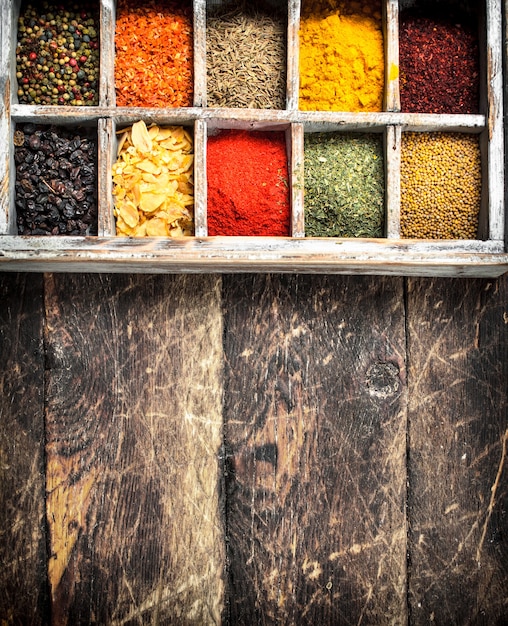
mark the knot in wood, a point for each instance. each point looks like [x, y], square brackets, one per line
[383, 379]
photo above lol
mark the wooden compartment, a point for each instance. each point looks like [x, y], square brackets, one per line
[485, 255]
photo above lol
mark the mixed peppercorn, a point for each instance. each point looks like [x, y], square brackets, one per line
[57, 56]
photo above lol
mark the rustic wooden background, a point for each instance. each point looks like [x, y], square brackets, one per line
[253, 449]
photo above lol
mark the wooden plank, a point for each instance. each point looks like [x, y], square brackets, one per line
[315, 442]
[133, 434]
[23, 581]
[254, 254]
[458, 437]
[253, 118]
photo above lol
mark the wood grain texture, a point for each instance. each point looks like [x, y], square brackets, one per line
[325, 255]
[23, 581]
[458, 437]
[133, 435]
[315, 445]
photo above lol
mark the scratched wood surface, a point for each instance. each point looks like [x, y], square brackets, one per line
[315, 404]
[339, 457]
[133, 428]
[23, 577]
[458, 467]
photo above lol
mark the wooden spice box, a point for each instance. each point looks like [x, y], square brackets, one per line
[484, 256]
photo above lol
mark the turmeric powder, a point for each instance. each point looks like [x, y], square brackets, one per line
[341, 57]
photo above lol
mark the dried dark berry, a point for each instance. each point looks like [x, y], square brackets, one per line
[34, 142]
[53, 195]
[26, 185]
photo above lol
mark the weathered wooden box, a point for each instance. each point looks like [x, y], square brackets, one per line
[484, 256]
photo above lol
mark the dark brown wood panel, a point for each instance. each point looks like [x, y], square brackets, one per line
[315, 449]
[314, 456]
[134, 430]
[458, 435]
[23, 581]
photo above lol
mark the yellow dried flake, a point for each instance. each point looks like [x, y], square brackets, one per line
[140, 137]
[153, 183]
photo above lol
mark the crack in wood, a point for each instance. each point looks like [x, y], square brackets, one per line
[493, 490]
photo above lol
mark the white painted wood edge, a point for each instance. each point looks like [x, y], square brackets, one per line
[293, 55]
[316, 120]
[252, 254]
[297, 175]
[6, 52]
[200, 179]
[495, 146]
[392, 143]
[391, 44]
[199, 54]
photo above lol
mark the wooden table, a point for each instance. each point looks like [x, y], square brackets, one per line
[253, 449]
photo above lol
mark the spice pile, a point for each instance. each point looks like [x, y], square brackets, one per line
[246, 60]
[56, 185]
[248, 185]
[154, 54]
[153, 182]
[57, 56]
[344, 185]
[341, 57]
[439, 66]
[440, 185]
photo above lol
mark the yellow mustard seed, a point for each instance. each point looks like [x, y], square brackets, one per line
[440, 184]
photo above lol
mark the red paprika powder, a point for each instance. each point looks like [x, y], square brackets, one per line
[439, 65]
[248, 184]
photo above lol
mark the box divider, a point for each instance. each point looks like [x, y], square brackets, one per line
[391, 43]
[107, 143]
[200, 189]
[392, 146]
[7, 30]
[495, 146]
[293, 55]
[296, 176]
[199, 53]
[107, 96]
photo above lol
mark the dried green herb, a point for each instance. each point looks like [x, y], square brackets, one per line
[344, 185]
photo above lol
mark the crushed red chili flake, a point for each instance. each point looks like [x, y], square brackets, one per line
[154, 53]
[439, 65]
